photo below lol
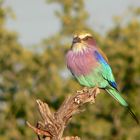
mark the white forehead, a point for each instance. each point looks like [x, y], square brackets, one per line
[81, 36]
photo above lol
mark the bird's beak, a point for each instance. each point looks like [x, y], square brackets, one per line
[76, 40]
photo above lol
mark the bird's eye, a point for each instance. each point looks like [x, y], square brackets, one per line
[86, 38]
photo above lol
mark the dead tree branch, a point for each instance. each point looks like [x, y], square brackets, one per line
[53, 124]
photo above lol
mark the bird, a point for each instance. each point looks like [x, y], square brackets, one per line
[90, 66]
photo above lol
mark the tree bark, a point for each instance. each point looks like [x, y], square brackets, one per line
[53, 124]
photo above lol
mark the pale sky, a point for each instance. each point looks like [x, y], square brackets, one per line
[35, 19]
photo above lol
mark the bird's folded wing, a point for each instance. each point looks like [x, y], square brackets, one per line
[105, 68]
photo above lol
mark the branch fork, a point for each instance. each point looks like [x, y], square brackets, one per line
[53, 124]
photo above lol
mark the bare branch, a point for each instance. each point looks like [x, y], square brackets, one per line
[53, 124]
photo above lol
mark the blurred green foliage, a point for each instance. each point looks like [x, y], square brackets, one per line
[26, 75]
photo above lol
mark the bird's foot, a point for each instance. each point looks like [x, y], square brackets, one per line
[84, 90]
[94, 91]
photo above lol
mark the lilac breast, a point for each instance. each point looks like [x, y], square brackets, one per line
[81, 63]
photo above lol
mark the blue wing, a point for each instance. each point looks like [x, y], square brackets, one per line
[106, 69]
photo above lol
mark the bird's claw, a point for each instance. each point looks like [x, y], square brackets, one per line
[94, 91]
[84, 90]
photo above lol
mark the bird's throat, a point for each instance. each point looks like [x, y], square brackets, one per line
[79, 47]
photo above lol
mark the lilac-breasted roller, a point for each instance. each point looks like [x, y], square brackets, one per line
[90, 67]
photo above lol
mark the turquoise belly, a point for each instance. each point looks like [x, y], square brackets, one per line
[95, 78]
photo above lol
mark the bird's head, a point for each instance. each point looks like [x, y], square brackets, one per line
[82, 41]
